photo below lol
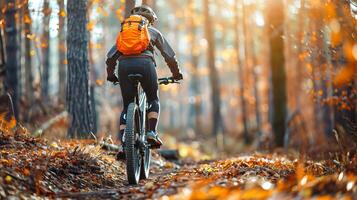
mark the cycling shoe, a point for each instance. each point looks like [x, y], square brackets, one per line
[153, 139]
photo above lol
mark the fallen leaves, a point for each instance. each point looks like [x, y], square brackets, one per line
[80, 168]
[7, 124]
[31, 166]
[273, 177]
[8, 179]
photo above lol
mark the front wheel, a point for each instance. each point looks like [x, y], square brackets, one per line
[145, 164]
[132, 152]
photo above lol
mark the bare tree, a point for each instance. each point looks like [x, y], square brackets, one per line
[12, 54]
[217, 122]
[78, 91]
[300, 47]
[195, 83]
[241, 71]
[2, 54]
[277, 66]
[2, 59]
[62, 60]
[345, 120]
[255, 72]
[149, 3]
[45, 44]
[29, 89]
[129, 5]
[327, 87]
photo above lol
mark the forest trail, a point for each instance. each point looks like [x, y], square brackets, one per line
[258, 75]
[81, 169]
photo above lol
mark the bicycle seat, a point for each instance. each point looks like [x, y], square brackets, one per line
[135, 77]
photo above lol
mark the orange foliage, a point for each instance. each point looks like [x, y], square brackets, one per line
[27, 19]
[63, 13]
[7, 124]
[345, 75]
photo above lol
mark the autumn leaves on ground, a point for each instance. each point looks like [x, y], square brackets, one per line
[34, 168]
[276, 76]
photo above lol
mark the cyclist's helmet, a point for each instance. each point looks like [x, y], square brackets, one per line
[145, 11]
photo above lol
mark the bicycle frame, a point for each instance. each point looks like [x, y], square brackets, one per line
[140, 101]
[137, 149]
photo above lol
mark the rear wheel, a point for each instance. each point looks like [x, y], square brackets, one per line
[133, 157]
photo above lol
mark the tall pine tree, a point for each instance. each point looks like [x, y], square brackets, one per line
[277, 66]
[217, 122]
[78, 91]
[62, 61]
[12, 56]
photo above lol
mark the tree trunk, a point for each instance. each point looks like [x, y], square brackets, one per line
[94, 110]
[315, 60]
[256, 93]
[195, 83]
[29, 89]
[2, 55]
[62, 60]
[277, 62]
[12, 46]
[300, 49]
[175, 29]
[129, 5]
[347, 118]
[150, 3]
[213, 73]
[45, 46]
[78, 91]
[241, 74]
[2, 63]
[92, 78]
[327, 109]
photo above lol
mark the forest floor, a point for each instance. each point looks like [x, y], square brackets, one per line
[34, 168]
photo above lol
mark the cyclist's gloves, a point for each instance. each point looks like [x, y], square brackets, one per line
[177, 76]
[111, 76]
[112, 79]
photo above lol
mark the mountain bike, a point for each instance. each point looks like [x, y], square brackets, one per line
[137, 150]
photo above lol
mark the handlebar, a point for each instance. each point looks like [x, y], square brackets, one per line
[161, 81]
[167, 80]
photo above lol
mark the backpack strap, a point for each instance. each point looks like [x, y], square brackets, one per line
[142, 23]
[131, 21]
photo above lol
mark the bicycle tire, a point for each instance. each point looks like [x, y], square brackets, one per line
[133, 160]
[146, 154]
[145, 164]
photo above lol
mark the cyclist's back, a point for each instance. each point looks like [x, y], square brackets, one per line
[142, 63]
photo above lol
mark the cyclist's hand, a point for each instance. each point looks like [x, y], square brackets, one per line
[112, 79]
[177, 76]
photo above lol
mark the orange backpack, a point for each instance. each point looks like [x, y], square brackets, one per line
[134, 37]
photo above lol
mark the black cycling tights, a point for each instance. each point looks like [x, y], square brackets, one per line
[145, 67]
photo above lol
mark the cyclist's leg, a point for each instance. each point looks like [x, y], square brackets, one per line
[150, 87]
[128, 92]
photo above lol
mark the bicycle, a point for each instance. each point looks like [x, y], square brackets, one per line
[137, 150]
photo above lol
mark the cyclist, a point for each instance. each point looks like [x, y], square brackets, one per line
[144, 64]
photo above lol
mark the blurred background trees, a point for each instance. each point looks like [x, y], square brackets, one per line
[263, 73]
[277, 72]
[216, 121]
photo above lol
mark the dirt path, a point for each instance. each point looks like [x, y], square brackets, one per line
[31, 167]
